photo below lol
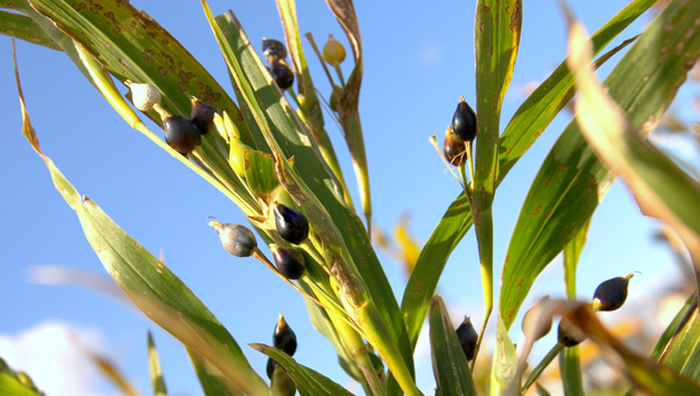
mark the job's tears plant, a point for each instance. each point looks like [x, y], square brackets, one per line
[269, 153]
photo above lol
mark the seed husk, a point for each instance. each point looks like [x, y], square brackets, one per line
[464, 121]
[290, 262]
[202, 115]
[542, 328]
[281, 74]
[466, 334]
[454, 148]
[611, 294]
[236, 239]
[181, 134]
[291, 225]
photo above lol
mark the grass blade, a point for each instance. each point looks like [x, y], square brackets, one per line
[662, 189]
[307, 381]
[563, 196]
[156, 372]
[24, 28]
[150, 284]
[527, 124]
[449, 363]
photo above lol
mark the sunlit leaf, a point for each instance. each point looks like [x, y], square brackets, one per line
[572, 181]
[307, 381]
[24, 28]
[529, 121]
[154, 368]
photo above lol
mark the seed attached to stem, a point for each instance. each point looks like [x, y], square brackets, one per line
[273, 50]
[236, 239]
[466, 334]
[291, 225]
[464, 121]
[333, 51]
[290, 262]
[542, 328]
[282, 74]
[454, 148]
[202, 115]
[569, 334]
[143, 95]
[611, 294]
[181, 134]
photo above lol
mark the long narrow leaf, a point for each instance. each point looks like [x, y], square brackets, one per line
[449, 362]
[24, 28]
[150, 284]
[307, 381]
[527, 124]
[572, 181]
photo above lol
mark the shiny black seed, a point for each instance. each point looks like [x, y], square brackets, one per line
[236, 239]
[611, 294]
[454, 148]
[290, 262]
[291, 225]
[464, 121]
[284, 338]
[181, 134]
[282, 74]
[202, 115]
[466, 334]
[568, 334]
[273, 50]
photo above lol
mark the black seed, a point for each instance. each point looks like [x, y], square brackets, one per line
[284, 338]
[454, 148]
[290, 262]
[273, 50]
[291, 225]
[568, 334]
[282, 74]
[181, 134]
[464, 121]
[271, 364]
[202, 115]
[237, 239]
[611, 294]
[466, 334]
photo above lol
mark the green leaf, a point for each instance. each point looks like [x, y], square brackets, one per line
[260, 172]
[684, 354]
[662, 189]
[149, 283]
[157, 380]
[291, 138]
[529, 121]
[676, 325]
[210, 378]
[504, 369]
[24, 28]
[450, 367]
[307, 381]
[572, 181]
[16, 383]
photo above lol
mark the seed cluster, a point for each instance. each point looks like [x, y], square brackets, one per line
[181, 133]
[275, 53]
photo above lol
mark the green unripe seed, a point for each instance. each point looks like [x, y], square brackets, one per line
[333, 51]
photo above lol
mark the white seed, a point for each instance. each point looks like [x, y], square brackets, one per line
[143, 95]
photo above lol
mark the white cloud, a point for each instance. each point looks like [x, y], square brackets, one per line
[53, 354]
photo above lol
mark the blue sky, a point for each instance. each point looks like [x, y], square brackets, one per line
[418, 62]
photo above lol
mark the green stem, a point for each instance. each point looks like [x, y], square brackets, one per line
[539, 369]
